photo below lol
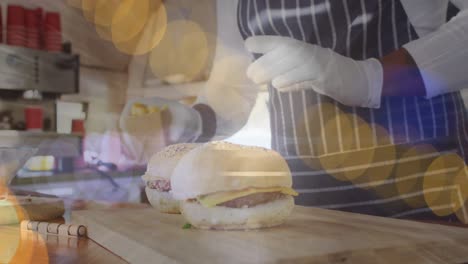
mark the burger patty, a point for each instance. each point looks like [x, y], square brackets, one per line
[253, 200]
[160, 185]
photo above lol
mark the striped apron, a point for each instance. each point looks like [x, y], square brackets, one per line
[372, 161]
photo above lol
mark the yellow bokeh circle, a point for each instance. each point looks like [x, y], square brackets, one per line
[381, 166]
[105, 10]
[359, 160]
[439, 183]
[129, 19]
[88, 7]
[183, 51]
[9, 243]
[460, 195]
[32, 248]
[339, 142]
[410, 171]
[18, 246]
[320, 114]
[149, 37]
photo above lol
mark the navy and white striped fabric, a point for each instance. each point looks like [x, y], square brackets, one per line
[358, 29]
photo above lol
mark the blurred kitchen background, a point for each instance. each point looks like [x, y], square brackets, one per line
[66, 71]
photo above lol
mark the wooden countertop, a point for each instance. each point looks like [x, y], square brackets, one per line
[310, 235]
[20, 246]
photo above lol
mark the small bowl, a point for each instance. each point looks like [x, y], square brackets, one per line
[11, 160]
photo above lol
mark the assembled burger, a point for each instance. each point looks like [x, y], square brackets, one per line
[227, 186]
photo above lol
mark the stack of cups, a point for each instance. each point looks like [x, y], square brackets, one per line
[16, 30]
[1, 25]
[52, 32]
[33, 19]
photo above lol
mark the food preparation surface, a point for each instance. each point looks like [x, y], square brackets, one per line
[21, 246]
[310, 235]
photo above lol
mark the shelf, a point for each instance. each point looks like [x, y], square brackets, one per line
[40, 134]
[84, 175]
[50, 143]
[30, 69]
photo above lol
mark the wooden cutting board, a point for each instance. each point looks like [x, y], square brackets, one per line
[310, 235]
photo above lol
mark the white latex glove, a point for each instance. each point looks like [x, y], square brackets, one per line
[291, 64]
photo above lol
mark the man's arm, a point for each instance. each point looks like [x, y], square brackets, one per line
[227, 99]
[434, 64]
[401, 75]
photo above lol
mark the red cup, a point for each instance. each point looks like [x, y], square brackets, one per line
[39, 14]
[32, 20]
[78, 126]
[1, 25]
[33, 116]
[32, 28]
[52, 21]
[15, 15]
[16, 31]
[52, 32]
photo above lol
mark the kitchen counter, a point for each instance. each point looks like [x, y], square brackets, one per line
[309, 235]
[24, 247]
[29, 247]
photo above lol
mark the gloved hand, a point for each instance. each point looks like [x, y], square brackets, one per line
[143, 134]
[291, 64]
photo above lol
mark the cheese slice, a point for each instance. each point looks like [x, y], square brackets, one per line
[211, 200]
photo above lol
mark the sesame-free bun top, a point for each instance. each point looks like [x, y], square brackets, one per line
[163, 163]
[222, 166]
